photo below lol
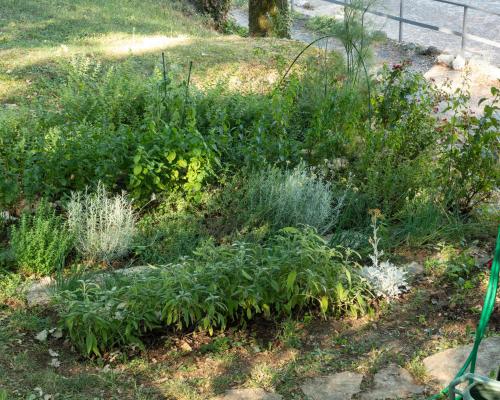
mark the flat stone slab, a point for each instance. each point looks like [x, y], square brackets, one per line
[392, 382]
[249, 394]
[39, 293]
[414, 269]
[443, 366]
[341, 386]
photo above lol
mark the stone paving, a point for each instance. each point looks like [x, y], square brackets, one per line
[444, 365]
[341, 386]
[393, 382]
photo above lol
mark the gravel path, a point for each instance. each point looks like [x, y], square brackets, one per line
[390, 52]
[430, 12]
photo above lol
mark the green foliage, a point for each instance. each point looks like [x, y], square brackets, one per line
[281, 20]
[217, 9]
[170, 159]
[231, 27]
[10, 284]
[376, 143]
[219, 286]
[470, 162]
[40, 242]
[457, 269]
[289, 198]
[394, 165]
[170, 231]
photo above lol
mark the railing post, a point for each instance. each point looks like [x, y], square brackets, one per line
[401, 8]
[291, 5]
[464, 28]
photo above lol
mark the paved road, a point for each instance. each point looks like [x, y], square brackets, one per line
[434, 13]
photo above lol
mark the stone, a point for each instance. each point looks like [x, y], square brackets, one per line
[430, 51]
[39, 293]
[445, 59]
[340, 386]
[458, 63]
[392, 382]
[248, 394]
[414, 269]
[443, 366]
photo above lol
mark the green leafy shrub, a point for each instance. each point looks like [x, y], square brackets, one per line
[170, 231]
[41, 242]
[469, 161]
[219, 286]
[394, 163]
[103, 226]
[10, 285]
[457, 269]
[171, 158]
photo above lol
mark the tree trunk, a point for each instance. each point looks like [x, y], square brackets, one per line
[267, 17]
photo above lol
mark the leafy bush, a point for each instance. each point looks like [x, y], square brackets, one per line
[10, 285]
[103, 226]
[170, 231]
[469, 161]
[456, 267]
[378, 143]
[41, 242]
[395, 162]
[219, 286]
[139, 136]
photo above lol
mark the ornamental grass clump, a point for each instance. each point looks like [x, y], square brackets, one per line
[103, 226]
[290, 198]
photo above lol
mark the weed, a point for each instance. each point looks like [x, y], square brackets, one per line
[290, 334]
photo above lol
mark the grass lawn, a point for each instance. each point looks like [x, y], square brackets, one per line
[35, 36]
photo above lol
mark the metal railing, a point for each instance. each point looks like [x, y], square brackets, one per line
[402, 20]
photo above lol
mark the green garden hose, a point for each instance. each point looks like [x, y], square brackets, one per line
[489, 304]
